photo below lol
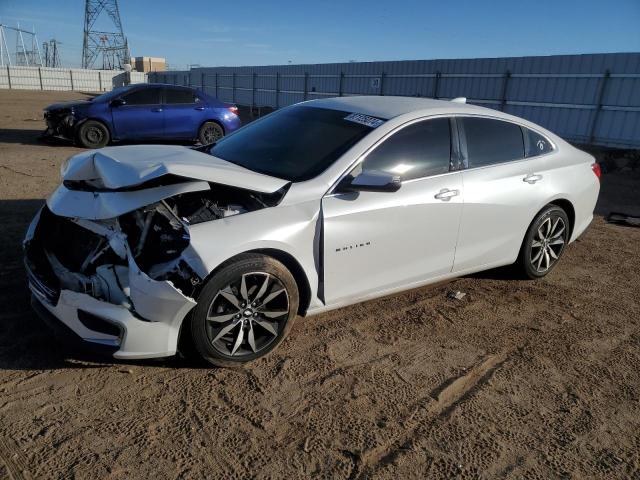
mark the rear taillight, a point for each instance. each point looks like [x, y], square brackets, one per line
[596, 169]
[233, 109]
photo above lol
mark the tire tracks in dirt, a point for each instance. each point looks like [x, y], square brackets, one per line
[438, 404]
[13, 460]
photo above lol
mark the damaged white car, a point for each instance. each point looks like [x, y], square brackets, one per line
[316, 206]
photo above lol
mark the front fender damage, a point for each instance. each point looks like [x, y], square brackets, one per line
[141, 260]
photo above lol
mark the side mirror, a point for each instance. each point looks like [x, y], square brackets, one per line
[370, 181]
[117, 102]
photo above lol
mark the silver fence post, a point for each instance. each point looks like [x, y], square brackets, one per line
[596, 114]
[202, 82]
[9, 76]
[505, 87]
[40, 76]
[233, 87]
[436, 85]
[71, 77]
[382, 75]
[306, 86]
[340, 82]
[253, 92]
[99, 80]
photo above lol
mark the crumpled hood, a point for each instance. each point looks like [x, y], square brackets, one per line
[70, 104]
[121, 167]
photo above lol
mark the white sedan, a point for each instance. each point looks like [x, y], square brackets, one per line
[319, 205]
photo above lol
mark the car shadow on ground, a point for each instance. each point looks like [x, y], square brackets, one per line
[26, 342]
[29, 137]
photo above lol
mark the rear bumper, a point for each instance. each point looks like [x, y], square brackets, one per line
[231, 122]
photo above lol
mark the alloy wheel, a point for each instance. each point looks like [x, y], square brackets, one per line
[211, 134]
[246, 316]
[548, 243]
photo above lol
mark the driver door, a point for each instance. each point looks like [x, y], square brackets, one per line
[141, 116]
[376, 241]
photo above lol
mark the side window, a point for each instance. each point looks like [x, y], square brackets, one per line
[179, 95]
[535, 144]
[492, 141]
[145, 96]
[416, 151]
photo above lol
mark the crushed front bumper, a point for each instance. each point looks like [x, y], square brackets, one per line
[146, 325]
[60, 124]
[89, 319]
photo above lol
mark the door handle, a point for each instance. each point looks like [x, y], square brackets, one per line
[199, 108]
[531, 179]
[445, 194]
[156, 109]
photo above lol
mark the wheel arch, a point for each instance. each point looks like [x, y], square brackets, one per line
[288, 260]
[104, 122]
[562, 203]
[568, 208]
[214, 120]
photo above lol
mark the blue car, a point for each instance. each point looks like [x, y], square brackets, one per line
[142, 112]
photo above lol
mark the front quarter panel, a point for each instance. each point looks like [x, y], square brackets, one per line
[293, 229]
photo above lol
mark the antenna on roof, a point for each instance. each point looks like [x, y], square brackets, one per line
[459, 100]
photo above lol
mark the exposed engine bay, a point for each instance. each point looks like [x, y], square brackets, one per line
[97, 257]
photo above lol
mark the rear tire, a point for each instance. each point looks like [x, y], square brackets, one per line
[210, 132]
[244, 311]
[544, 243]
[93, 134]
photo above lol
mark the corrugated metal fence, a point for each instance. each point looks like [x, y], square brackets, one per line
[44, 78]
[584, 98]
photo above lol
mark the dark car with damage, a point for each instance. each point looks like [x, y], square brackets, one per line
[142, 112]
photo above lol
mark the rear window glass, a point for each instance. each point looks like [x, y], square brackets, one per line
[492, 141]
[536, 144]
[179, 95]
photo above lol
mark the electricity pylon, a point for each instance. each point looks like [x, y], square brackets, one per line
[111, 44]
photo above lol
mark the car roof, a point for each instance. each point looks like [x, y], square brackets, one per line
[147, 85]
[390, 106]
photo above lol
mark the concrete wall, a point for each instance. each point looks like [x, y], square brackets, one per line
[44, 78]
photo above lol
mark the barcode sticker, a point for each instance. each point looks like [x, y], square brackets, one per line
[362, 119]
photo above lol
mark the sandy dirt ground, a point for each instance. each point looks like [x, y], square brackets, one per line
[519, 379]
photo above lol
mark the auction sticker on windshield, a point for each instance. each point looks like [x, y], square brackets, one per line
[362, 119]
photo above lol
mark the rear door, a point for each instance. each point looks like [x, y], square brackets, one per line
[184, 112]
[375, 241]
[141, 116]
[503, 190]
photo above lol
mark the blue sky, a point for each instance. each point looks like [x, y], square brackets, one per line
[248, 32]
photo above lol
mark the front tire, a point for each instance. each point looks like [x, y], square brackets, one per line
[244, 311]
[93, 134]
[544, 243]
[210, 132]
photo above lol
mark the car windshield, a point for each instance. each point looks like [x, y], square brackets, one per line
[296, 143]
